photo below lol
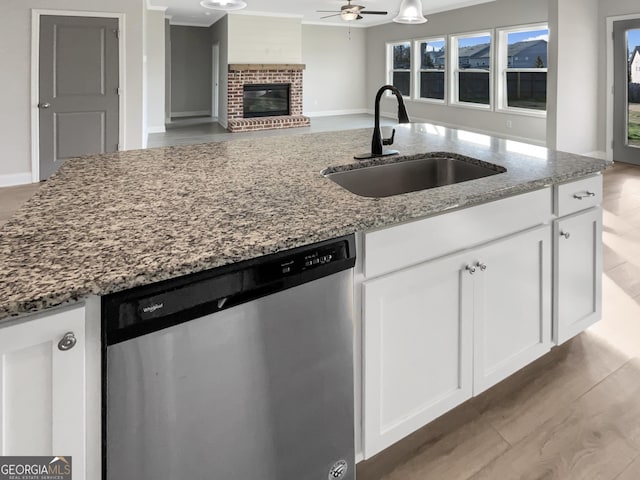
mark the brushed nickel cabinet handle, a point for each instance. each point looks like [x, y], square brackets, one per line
[565, 235]
[67, 342]
[582, 196]
[471, 269]
[481, 266]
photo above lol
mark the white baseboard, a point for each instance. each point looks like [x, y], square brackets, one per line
[200, 113]
[332, 113]
[15, 179]
[492, 133]
[597, 154]
[159, 129]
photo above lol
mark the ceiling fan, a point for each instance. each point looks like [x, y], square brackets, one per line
[351, 12]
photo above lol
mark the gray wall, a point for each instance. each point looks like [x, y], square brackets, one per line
[332, 80]
[219, 32]
[15, 52]
[190, 71]
[573, 103]
[155, 71]
[502, 13]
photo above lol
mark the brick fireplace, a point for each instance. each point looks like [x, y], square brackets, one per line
[264, 74]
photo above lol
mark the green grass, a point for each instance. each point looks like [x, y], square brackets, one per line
[634, 128]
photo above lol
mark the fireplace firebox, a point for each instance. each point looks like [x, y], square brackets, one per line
[266, 100]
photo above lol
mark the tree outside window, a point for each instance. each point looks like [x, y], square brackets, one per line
[431, 77]
[400, 74]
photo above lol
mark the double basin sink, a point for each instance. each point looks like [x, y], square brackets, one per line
[409, 174]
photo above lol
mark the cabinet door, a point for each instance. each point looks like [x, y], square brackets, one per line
[416, 350]
[42, 388]
[578, 266]
[512, 324]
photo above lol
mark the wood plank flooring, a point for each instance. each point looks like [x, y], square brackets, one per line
[573, 414]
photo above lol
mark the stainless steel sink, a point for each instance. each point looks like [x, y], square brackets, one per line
[411, 174]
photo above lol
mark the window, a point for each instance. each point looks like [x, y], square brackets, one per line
[471, 62]
[523, 61]
[400, 67]
[431, 74]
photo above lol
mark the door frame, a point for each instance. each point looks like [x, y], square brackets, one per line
[610, 79]
[35, 78]
[215, 79]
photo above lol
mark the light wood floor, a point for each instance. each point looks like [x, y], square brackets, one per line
[573, 414]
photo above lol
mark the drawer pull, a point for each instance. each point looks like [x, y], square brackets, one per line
[582, 196]
[565, 235]
[471, 269]
[481, 266]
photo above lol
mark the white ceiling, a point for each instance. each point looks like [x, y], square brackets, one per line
[190, 12]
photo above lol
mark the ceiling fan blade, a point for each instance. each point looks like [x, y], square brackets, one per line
[328, 16]
[372, 12]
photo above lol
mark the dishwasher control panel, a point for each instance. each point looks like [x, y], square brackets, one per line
[304, 261]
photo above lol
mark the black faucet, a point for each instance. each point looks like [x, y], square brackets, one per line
[377, 141]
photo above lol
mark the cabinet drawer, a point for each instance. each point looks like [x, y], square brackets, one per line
[580, 195]
[400, 246]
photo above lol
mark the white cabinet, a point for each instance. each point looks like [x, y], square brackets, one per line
[43, 400]
[417, 348]
[512, 322]
[578, 273]
[440, 332]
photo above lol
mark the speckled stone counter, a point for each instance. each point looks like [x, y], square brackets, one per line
[110, 222]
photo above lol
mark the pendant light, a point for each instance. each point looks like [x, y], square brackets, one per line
[224, 4]
[410, 12]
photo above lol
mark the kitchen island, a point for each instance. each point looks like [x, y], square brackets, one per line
[107, 223]
[111, 222]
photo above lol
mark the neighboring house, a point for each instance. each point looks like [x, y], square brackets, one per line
[528, 54]
[476, 56]
[634, 65]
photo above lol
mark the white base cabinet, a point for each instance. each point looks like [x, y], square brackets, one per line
[417, 348]
[453, 304]
[45, 406]
[512, 322]
[578, 273]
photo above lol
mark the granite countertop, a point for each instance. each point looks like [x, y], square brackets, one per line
[109, 222]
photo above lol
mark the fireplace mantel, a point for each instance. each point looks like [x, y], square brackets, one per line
[240, 67]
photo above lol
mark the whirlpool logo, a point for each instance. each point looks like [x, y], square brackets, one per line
[35, 468]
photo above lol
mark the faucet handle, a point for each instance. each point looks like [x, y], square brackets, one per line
[389, 141]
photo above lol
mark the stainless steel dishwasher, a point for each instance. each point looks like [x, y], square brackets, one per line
[244, 372]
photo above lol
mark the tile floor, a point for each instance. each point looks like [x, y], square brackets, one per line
[573, 414]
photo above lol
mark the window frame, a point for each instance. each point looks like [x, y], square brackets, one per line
[418, 70]
[502, 61]
[391, 70]
[454, 87]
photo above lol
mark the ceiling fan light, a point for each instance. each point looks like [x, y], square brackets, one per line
[348, 16]
[410, 12]
[224, 4]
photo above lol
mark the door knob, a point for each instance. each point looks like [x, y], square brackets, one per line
[44, 105]
[67, 342]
